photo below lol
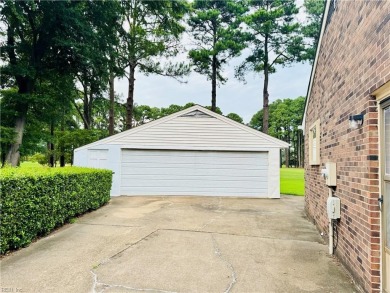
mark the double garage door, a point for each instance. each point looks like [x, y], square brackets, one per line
[165, 172]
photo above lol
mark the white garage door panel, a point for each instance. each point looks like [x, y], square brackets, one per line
[190, 159]
[154, 172]
[140, 191]
[134, 170]
[194, 183]
[195, 177]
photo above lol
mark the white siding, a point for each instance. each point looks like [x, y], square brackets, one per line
[156, 172]
[98, 159]
[206, 137]
[108, 158]
[194, 133]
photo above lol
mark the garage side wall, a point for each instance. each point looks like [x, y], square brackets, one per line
[274, 173]
[82, 158]
[353, 61]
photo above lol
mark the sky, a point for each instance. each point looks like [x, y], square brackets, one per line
[245, 99]
[234, 96]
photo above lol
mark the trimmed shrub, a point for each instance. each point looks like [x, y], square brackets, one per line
[34, 201]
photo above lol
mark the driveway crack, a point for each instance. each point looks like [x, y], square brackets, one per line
[105, 286]
[217, 251]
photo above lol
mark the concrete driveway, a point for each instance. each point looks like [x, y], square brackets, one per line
[180, 244]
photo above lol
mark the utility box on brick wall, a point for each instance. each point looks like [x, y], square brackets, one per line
[333, 208]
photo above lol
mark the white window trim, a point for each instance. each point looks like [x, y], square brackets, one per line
[314, 158]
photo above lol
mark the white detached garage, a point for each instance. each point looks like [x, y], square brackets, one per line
[192, 152]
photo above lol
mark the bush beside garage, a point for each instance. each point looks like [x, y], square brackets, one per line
[34, 201]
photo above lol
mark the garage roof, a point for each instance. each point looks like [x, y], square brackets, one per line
[193, 128]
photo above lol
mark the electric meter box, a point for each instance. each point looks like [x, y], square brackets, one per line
[329, 173]
[333, 208]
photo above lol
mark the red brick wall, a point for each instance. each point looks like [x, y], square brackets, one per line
[353, 62]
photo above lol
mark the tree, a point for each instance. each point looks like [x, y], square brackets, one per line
[235, 117]
[215, 26]
[311, 30]
[43, 39]
[151, 29]
[95, 62]
[276, 40]
[144, 114]
[285, 118]
[101, 114]
[173, 109]
[67, 141]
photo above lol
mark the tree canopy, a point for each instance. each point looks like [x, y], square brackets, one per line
[275, 39]
[60, 60]
[215, 27]
[49, 42]
[151, 29]
[285, 119]
[311, 29]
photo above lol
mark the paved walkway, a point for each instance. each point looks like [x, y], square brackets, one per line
[181, 244]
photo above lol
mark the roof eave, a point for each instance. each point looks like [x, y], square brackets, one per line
[313, 69]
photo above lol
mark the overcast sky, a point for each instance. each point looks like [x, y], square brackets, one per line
[234, 96]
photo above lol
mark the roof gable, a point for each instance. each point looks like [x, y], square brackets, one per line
[195, 127]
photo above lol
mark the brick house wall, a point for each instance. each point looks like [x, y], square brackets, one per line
[353, 61]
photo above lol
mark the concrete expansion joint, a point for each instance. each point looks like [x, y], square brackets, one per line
[132, 244]
[217, 252]
[100, 287]
[240, 235]
[107, 225]
[119, 252]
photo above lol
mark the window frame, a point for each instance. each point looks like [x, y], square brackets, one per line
[314, 158]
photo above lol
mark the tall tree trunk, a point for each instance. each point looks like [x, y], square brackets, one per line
[287, 150]
[62, 152]
[214, 71]
[130, 99]
[25, 86]
[51, 145]
[265, 89]
[112, 103]
[62, 159]
[86, 108]
[13, 155]
[287, 156]
[90, 103]
[214, 85]
[298, 149]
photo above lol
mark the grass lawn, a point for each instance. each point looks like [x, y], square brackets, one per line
[292, 181]
[27, 164]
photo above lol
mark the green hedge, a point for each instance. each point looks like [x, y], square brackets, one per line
[34, 201]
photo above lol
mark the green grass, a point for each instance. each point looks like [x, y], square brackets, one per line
[27, 164]
[292, 181]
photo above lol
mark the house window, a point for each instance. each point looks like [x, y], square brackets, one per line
[386, 154]
[314, 143]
